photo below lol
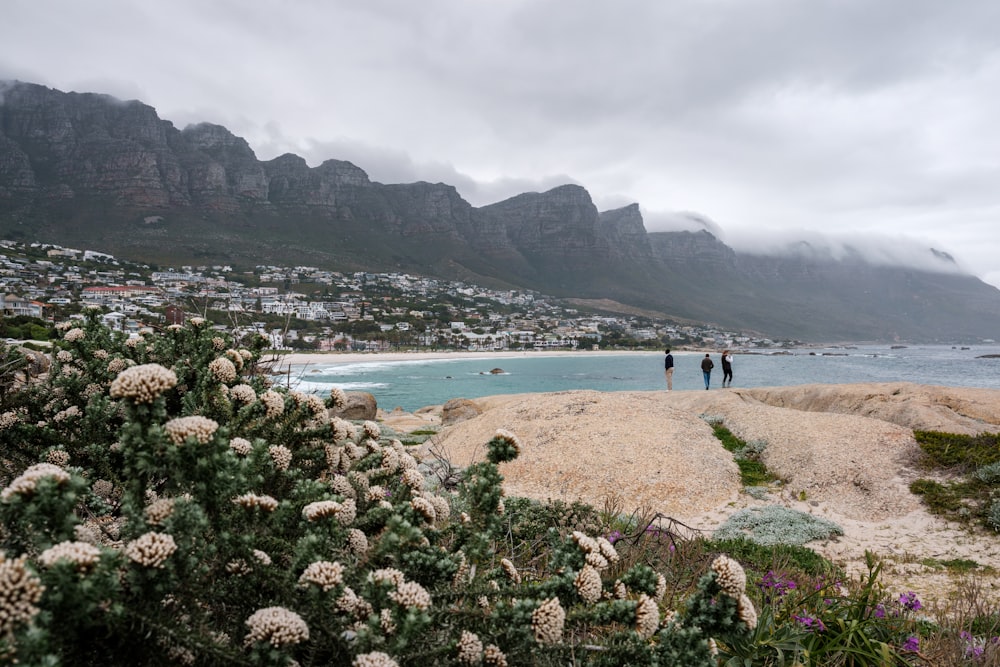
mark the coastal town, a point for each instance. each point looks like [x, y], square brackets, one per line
[309, 308]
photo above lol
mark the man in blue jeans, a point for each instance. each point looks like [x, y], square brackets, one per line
[706, 369]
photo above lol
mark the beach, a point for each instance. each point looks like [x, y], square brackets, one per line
[297, 359]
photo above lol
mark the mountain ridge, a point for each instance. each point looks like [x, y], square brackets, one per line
[85, 168]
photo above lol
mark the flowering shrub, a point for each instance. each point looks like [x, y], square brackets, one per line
[182, 510]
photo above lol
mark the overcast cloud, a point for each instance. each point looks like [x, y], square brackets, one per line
[857, 121]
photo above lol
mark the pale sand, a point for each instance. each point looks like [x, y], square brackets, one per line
[845, 453]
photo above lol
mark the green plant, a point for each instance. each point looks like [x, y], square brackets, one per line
[163, 503]
[774, 524]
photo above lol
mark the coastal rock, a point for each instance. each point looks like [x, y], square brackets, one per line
[458, 410]
[359, 405]
[966, 410]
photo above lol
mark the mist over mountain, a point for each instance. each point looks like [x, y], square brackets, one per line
[84, 169]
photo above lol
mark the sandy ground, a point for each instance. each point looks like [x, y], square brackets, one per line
[844, 452]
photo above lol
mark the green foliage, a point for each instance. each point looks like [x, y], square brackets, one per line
[774, 524]
[824, 622]
[760, 558]
[753, 472]
[952, 449]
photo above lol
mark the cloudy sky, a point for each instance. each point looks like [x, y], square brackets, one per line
[872, 122]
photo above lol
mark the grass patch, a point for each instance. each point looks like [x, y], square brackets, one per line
[753, 472]
[972, 498]
[953, 450]
[955, 565]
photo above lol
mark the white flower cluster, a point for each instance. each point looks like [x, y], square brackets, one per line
[342, 486]
[81, 554]
[281, 455]
[357, 542]
[338, 399]
[151, 549]
[730, 576]
[59, 457]
[411, 595]
[20, 591]
[277, 626]
[200, 428]
[223, 370]
[235, 357]
[470, 649]
[243, 393]
[597, 552]
[386, 622]
[388, 575]
[424, 508]
[547, 622]
[141, 383]
[647, 616]
[323, 573]
[508, 569]
[241, 446]
[321, 509]
[371, 430]
[74, 335]
[117, 365]
[413, 479]
[68, 413]
[64, 356]
[253, 501]
[25, 483]
[8, 419]
[159, 511]
[342, 429]
[374, 659]
[588, 584]
[274, 403]
[494, 657]
[732, 580]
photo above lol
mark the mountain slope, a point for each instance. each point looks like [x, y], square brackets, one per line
[83, 169]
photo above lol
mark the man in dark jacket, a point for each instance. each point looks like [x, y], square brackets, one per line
[706, 369]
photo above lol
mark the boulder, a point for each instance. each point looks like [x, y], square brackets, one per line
[458, 410]
[359, 405]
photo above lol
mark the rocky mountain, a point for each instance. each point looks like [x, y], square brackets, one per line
[88, 170]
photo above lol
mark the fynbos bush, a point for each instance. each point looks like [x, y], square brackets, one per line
[163, 504]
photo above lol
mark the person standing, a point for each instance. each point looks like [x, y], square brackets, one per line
[668, 365]
[706, 369]
[727, 369]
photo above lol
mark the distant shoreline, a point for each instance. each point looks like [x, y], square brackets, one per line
[279, 361]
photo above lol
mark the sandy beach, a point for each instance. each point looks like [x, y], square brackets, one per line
[297, 359]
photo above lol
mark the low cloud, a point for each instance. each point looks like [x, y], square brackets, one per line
[872, 248]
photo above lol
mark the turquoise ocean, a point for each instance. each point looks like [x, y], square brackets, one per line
[416, 383]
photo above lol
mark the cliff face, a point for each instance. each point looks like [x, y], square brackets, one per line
[89, 169]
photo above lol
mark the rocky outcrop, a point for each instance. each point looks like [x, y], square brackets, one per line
[458, 410]
[359, 405]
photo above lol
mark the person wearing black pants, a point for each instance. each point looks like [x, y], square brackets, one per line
[727, 369]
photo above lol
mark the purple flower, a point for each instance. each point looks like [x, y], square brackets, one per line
[911, 644]
[809, 623]
[879, 611]
[910, 601]
[615, 536]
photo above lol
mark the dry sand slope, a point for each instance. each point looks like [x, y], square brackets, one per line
[846, 453]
